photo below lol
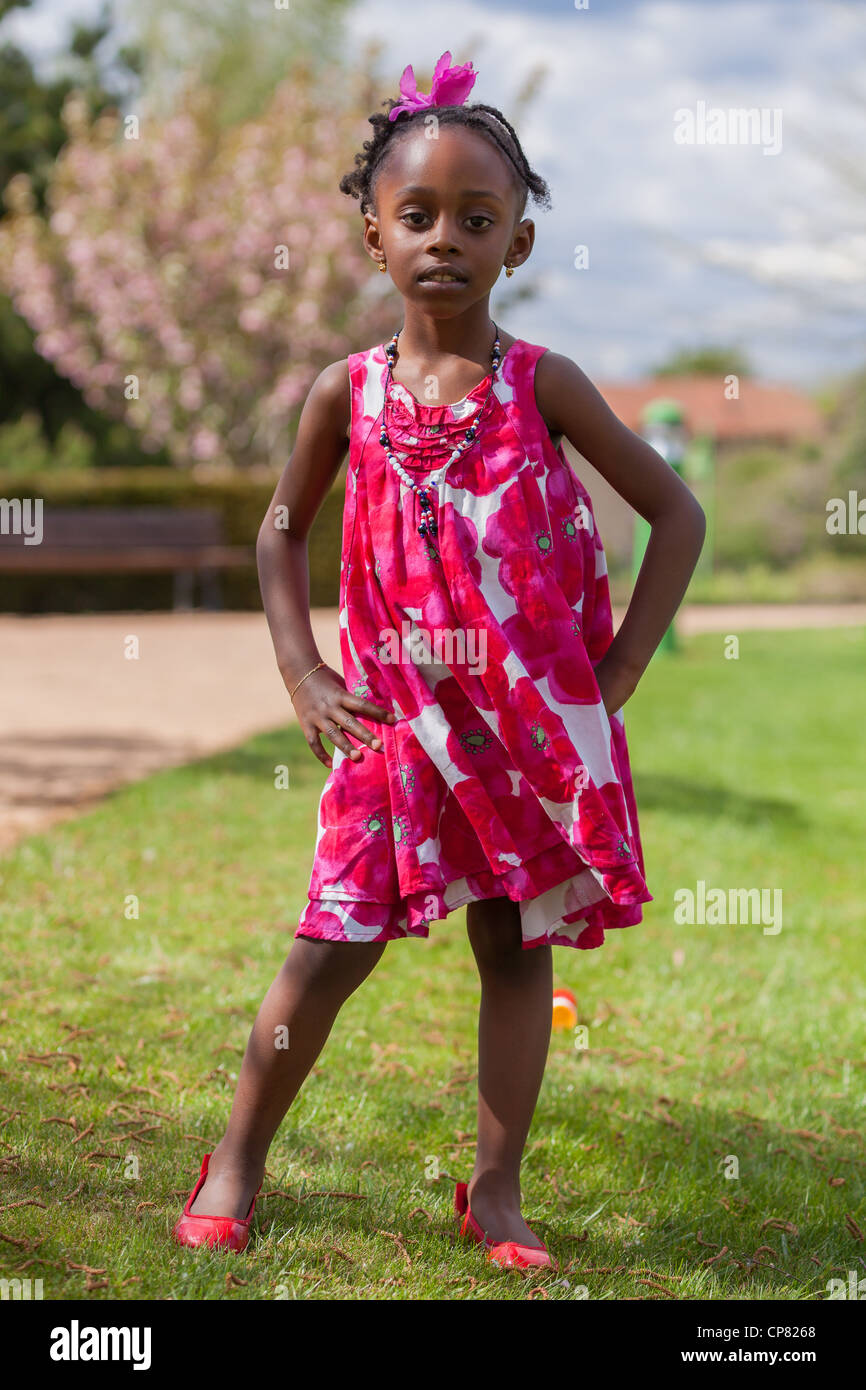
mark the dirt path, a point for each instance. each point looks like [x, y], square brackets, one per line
[78, 718]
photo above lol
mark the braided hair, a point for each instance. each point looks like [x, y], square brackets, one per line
[487, 120]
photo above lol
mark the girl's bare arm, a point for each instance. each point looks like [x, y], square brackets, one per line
[322, 702]
[570, 404]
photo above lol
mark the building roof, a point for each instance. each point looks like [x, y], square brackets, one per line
[763, 410]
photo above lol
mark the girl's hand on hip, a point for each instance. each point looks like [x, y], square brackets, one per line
[324, 705]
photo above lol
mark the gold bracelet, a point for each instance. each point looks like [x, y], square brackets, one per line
[303, 678]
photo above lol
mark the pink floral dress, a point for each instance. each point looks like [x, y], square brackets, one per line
[503, 775]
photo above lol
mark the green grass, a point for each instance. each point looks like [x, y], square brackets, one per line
[704, 1041]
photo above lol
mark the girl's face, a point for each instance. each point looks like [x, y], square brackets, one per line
[446, 204]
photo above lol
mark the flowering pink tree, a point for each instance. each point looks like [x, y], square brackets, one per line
[194, 279]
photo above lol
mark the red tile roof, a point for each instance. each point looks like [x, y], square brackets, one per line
[763, 410]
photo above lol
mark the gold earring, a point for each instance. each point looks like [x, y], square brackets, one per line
[509, 269]
[383, 265]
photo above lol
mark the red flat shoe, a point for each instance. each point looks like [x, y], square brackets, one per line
[226, 1232]
[506, 1253]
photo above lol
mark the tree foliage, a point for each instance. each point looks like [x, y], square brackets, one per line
[710, 360]
[192, 279]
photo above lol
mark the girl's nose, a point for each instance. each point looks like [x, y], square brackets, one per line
[443, 238]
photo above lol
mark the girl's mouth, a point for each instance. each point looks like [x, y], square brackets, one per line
[441, 277]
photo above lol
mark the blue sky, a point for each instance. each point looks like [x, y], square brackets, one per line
[667, 224]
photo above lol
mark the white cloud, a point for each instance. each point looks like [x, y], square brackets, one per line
[601, 132]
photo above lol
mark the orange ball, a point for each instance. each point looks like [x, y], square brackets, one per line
[564, 1009]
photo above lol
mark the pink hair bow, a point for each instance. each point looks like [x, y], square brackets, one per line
[450, 87]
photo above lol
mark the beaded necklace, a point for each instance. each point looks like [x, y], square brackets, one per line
[428, 525]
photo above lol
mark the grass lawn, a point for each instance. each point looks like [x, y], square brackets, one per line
[706, 1144]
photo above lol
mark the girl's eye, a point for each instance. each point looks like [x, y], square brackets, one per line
[478, 220]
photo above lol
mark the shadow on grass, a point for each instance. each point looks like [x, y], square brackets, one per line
[683, 1217]
[677, 796]
[674, 795]
[646, 1197]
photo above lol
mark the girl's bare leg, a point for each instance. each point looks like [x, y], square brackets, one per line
[314, 982]
[513, 1038]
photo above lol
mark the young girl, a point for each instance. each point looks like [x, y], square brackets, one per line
[481, 677]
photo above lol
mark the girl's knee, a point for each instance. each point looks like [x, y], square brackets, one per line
[333, 966]
[494, 930]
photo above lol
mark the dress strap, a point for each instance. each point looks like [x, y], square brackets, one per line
[367, 371]
[516, 392]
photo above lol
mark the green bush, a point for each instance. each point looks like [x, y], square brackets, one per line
[25, 448]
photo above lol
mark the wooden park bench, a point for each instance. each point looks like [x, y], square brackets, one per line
[187, 542]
